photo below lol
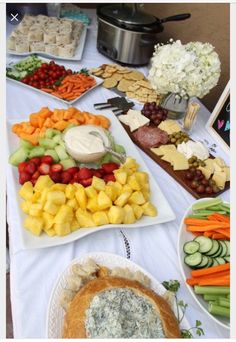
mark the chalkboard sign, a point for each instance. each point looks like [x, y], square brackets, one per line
[219, 123]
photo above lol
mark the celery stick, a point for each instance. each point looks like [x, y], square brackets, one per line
[228, 296]
[218, 310]
[206, 204]
[212, 296]
[197, 216]
[211, 289]
[224, 302]
[208, 212]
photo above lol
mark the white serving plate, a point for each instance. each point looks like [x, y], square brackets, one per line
[183, 237]
[55, 313]
[165, 213]
[98, 80]
[78, 51]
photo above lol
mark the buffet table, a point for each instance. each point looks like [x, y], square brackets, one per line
[34, 272]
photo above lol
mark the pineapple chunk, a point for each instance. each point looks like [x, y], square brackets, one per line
[133, 182]
[26, 191]
[146, 194]
[137, 198]
[62, 229]
[123, 198]
[130, 163]
[100, 218]
[74, 225]
[129, 215]
[127, 187]
[50, 232]
[93, 204]
[81, 197]
[138, 211]
[121, 176]
[36, 197]
[84, 218]
[43, 182]
[51, 208]
[98, 183]
[70, 191]
[35, 209]
[104, 201]
[72, 203]
[116, 215]
[56, 197]
[43, 197]
[34, 224]
[149, 209]
[118, 188]
[142, 177]
[48, 220]
[58, 187]
[65, 214]
[25, 206]
[90, 191]
[111, 192]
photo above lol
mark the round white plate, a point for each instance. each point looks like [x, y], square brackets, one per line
[183, 237]
[55, 314]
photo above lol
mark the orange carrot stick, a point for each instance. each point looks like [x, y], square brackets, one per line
[210, 270]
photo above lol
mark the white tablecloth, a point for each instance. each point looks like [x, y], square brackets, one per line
[34, 272]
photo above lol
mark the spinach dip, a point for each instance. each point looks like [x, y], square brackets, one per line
[121, 313]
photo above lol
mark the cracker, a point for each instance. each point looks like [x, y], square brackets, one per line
[124, 85]
[95, 70]
[134, 75]
[98, 73]
[110, 83]
[106, 75]
[117, 76]
[130, 94]
[124, 71]
[145, 84]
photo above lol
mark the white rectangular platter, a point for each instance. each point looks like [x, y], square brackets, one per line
[78, 51]
[29, 241]
[98, 80]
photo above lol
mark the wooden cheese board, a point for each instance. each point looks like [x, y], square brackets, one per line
[177, 175]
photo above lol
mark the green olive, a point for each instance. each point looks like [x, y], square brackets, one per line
[178, 135]
[173, 140]
[191, 160]
[195, 164]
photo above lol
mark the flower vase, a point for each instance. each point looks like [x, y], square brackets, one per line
[176, 105]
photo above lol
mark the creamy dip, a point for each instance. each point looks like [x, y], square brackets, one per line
[121, 313]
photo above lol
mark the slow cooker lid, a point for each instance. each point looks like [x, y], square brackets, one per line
[126, 15]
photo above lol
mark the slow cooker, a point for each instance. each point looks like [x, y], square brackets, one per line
[127, 34]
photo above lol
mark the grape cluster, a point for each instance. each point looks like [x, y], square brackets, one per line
[199, 183]
[154, 113]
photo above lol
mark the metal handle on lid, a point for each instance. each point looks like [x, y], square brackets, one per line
[176, 17]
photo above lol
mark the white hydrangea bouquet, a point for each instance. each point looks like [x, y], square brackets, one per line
[188, 70]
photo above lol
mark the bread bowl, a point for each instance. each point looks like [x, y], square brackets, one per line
[96, 299]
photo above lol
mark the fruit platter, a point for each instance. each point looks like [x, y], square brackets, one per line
[51, 78]
[49, 36]
[188, 162]
[73, 176]
[204, 256]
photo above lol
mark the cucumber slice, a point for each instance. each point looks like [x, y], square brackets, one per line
[228, 247]
[51, 132]
[205, 243]
[26, 144]
[221, 261]
[19, 156]
[215, 263]
[224, 249]
[204, 262]
[67, 163]
[214, 249]
[61, 152]
[47, 143]
[37, 151]
[210, 262]
[227, 258]
[218, 253]
[53, 154]
[191, 247]
[57, 138]
[193, 260]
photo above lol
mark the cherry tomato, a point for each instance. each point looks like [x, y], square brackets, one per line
[69, 71]
[52, 63]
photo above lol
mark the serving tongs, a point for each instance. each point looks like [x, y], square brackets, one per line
[118, 105]
[120, 156]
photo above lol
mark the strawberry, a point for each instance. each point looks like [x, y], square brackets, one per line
[109, 177]
[76, 177]
[72, 181]
[35, 175]
[56, 168]
[73, 170]
[47, 160]
[101, 171]
[33, 181]
[97, 173]
[110, 167]
[86, 182]
[85, 173]
[36, 160]
[44, 168]
[21, 166]
[30, 167]
[55, 176]
[24, 177]
[66, 177]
